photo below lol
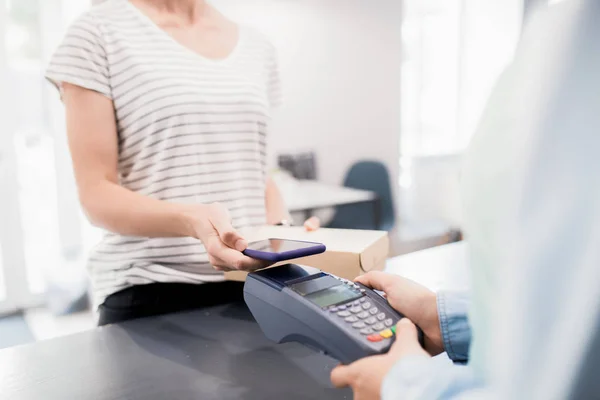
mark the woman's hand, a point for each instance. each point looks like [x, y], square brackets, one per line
[366, 375]
[414, 301]
[312, 224]
[211, 224]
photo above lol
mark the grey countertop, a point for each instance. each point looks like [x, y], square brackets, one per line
[216, 353]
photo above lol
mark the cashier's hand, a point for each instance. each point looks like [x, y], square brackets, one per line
[211, 224]
[366, 375]
[414, 301]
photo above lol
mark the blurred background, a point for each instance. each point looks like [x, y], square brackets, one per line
[398, 89]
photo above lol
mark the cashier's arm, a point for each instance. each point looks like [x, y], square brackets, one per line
[93, 142]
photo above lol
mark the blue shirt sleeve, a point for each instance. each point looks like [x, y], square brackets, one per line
[454, 324]
[434, 378]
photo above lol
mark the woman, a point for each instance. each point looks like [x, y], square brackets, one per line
[167, 105]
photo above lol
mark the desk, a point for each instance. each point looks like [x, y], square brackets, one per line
[443, 267]
[213, 354]
[307, 196]
[217, 353]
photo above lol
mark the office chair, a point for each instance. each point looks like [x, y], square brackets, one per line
[373, 176]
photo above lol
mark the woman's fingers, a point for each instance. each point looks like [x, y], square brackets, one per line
[221, 221]
[225, 245]
[312, 224]
[227, 259]
[237, 261]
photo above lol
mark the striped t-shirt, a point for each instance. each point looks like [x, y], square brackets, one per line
[190, 130]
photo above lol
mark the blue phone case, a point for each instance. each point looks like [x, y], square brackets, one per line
[317, 248]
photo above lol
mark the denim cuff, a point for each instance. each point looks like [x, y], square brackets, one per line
[454, 324]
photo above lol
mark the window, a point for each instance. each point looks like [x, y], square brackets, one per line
[453, 52]
[429, 77]
[33, 122]
[31, 140]
[2, 285]
[23, 36]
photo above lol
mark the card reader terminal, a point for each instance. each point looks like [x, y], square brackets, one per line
[346, 320]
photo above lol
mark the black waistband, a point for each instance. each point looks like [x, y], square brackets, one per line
[163, 298]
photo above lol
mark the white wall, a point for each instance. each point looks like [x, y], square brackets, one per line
[340, 64]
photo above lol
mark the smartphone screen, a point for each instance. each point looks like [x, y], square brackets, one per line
[279, 245]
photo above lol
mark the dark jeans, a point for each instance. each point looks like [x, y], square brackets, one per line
[163, 298]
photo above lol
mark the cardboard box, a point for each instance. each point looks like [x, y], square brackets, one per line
[350, 253]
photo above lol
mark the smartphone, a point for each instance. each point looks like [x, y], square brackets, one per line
[276, 250]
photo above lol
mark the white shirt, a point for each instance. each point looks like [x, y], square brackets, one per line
[191, 130]
[532, 201]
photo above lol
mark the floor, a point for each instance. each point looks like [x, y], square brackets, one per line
[14, 331]
[40, 324]
[44, 325]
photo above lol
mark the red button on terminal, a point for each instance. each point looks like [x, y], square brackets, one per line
[374, 338]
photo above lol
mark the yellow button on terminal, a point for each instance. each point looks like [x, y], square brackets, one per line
[387, 333]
